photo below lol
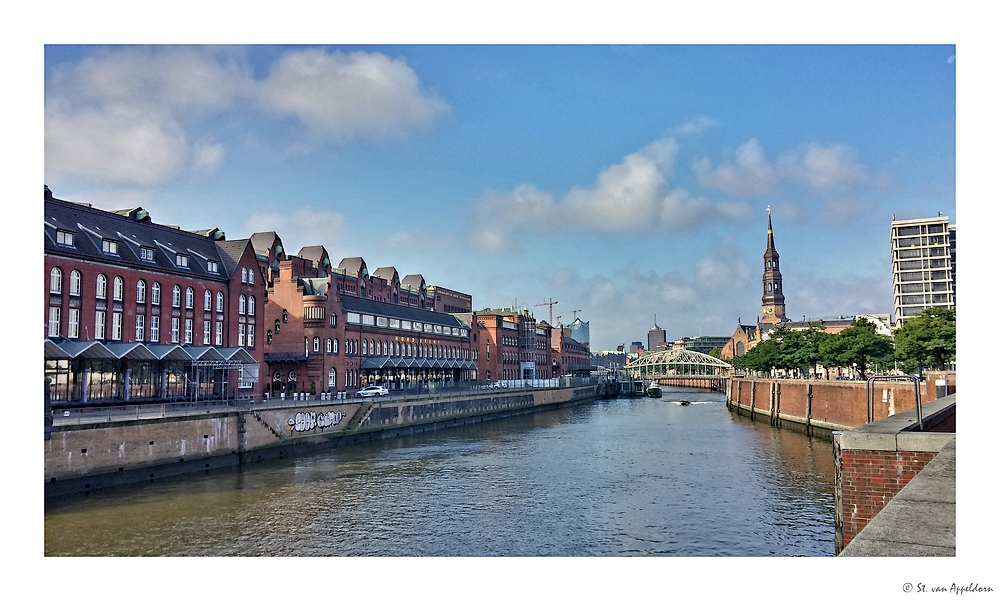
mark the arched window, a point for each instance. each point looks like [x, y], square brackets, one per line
[329, 346]
[243, 275]
[189, 298]
[75, 283]
[316, 344]
[250, 276]
[251, 303]
[270, 337]
[208, 300]
[331, 378]
[176, 296]
[119, 289]
[379, 348]
[102, 286]
[140, 291]
[219, 297]
[243, 304]
[333, 320]
[154, 293]
[336, 344]
[364, 347]
[277, 326]
[55, 280]
[284, 316]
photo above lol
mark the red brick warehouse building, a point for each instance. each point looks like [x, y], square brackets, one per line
[139, 311]
[334, 329]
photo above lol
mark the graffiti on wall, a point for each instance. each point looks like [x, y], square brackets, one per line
[306, 421]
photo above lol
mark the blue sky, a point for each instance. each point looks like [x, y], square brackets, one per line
[620, 181]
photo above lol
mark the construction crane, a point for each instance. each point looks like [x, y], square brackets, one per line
[550, 302]
[575, 311]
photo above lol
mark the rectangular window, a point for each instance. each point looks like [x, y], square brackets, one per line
[100, 320]
[188, 331]
[54, 315]
[175, 329]
[140, 328]
[368, 320]
[64, 238]
[417, 326]
[353, 317]
[243, 335]
[207, 334]
[382, 322]
[250, 335]
[405, 325]
[116, 326]
[109, 246]
[182, 260]
[394, 323]
[154, 328]
[74, 323]
[218, 333]
[248, 375]
[213, 267]
[146, 254]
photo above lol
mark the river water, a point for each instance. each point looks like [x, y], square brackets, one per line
[621, 477]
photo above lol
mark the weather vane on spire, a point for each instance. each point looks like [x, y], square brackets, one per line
[768, 210]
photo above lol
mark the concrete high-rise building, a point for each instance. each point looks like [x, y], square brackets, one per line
[923, 265]
[656, 337]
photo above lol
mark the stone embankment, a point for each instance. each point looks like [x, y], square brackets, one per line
[86, 456]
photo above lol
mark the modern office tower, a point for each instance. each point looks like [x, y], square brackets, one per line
[656, 337]
[923, 265]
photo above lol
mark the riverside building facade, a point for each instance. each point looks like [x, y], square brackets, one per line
[923, 265]
[142, 312]
[338, 329]
[511, 344]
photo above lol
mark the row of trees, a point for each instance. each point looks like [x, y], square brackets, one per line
[924, 341]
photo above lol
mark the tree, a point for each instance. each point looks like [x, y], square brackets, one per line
[762, 357]
[857, 345]
[927, 340]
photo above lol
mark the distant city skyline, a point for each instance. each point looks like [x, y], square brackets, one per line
[620, 181]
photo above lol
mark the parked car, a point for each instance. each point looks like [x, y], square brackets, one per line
[368, 391]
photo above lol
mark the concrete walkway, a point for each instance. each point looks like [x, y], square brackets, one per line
[919, 521]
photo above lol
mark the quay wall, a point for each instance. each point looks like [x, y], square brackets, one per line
[692, 382]
[81, 457]
[875, 461]
[820, 407]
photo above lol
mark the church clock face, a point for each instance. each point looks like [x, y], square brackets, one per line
[768, 310]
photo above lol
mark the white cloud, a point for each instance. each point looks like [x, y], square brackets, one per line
[631, 195]
[207, 156]
[749, 175]
[123, 115]
[115, 143]
[819, 168]
[342, 95]
[174, 77]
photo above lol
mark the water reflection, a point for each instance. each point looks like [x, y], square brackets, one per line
[623, 477]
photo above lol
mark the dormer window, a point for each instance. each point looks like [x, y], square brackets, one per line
[146, 254]
[213, 267]
[109, 246]
[64, 238]
[182, 260]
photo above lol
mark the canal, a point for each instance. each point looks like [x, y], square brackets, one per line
[621, 477]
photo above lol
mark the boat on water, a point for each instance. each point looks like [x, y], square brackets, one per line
[683, 402]
[653, 390]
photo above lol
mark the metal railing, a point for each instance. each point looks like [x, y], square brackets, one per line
[111, 413]
[870, 391]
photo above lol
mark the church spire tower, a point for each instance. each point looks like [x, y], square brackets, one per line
[773, 301]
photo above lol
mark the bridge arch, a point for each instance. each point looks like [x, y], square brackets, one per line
[677, 363]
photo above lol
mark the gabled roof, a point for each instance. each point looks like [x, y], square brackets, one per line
[355, 266]
[231, 252]
[414, 282]
[388, 274]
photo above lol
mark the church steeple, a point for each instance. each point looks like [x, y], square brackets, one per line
[773, 301]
